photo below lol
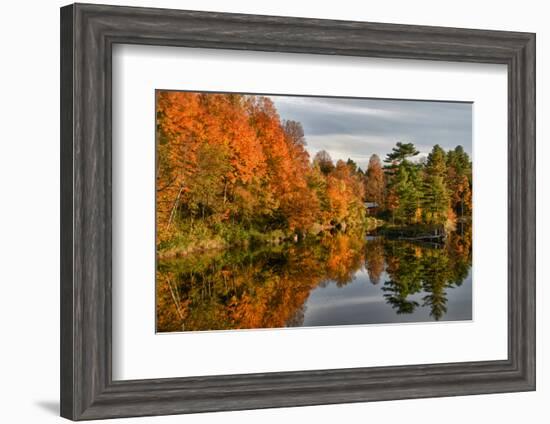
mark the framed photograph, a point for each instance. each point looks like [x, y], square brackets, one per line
[264, 212]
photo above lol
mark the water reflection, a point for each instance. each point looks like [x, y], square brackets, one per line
[343, 279]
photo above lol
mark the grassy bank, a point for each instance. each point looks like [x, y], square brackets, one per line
[200, 237]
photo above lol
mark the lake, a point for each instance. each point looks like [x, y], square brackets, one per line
[341, 279]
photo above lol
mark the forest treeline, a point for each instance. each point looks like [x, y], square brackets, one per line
[230, 171]
[433, 192]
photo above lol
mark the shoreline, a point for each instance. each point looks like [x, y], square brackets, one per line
[406, 234]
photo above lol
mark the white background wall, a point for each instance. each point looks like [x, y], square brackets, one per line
[29, 216]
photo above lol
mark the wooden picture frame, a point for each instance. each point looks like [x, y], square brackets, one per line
[88, 33]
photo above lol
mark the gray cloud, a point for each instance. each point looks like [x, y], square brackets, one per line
[357, 128]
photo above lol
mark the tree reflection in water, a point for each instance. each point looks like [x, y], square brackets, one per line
[268, 286]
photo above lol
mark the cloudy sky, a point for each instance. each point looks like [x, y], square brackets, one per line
[357, 128]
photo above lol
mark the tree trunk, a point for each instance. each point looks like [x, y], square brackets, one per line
[225, 193]
[174, 207]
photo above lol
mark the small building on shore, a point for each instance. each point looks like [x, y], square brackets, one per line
[371, 207]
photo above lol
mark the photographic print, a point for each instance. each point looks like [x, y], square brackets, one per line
[277, 211]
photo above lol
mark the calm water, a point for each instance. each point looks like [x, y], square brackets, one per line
[340, 280]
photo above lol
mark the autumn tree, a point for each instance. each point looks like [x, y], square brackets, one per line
[295, 132]
[286, 160]
[323, 160]
[176, 114]
[301, 206]
[186, 122]
[207, 183]
[318, 184]
[374, 181]
[345, 191]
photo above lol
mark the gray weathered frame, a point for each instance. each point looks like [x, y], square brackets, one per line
[88, 33]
